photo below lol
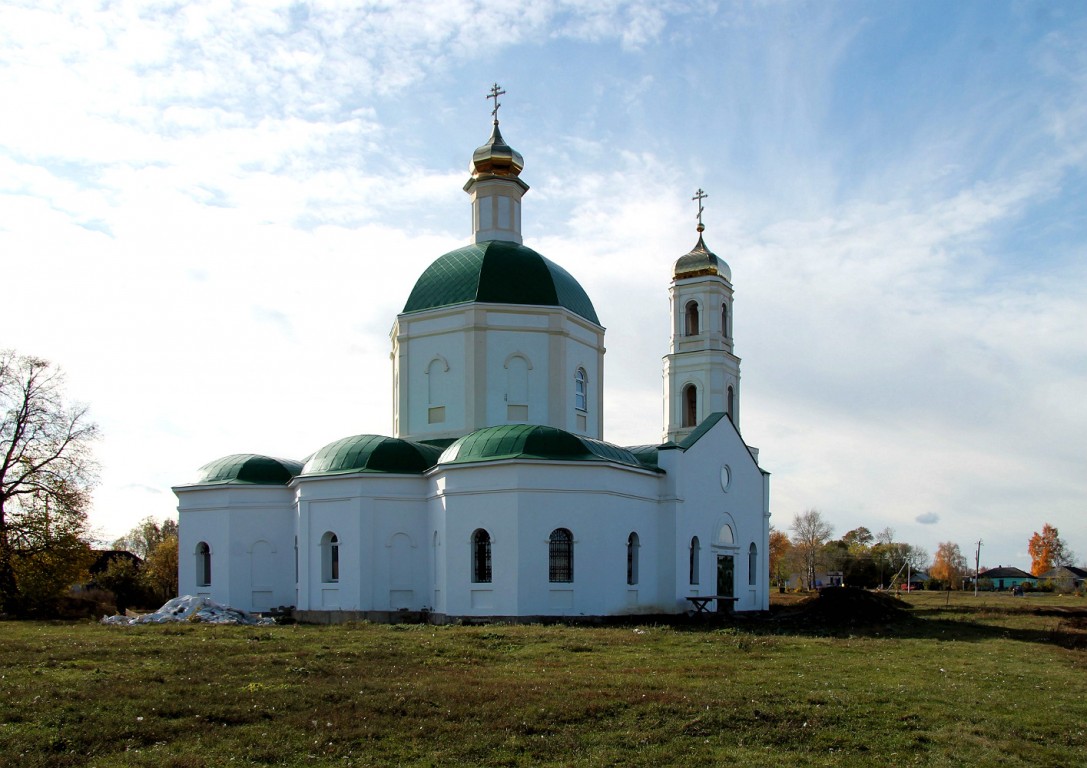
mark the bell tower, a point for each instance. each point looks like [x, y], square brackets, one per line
[701, 373]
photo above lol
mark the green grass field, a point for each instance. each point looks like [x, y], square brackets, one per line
[989, 681]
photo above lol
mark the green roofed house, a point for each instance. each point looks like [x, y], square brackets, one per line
[497, 496]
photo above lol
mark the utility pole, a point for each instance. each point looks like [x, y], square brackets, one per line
[977, 567]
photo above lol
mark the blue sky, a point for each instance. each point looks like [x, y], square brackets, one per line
[215, 211]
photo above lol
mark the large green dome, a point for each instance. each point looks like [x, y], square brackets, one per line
[498, 272]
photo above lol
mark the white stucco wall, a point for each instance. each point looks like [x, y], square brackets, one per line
[476, 342]
[250, 530]
[380, 521]
[519, 504]
[703, 505]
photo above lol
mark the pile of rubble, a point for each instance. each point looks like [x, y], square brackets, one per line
[190, 608]
[847, 606]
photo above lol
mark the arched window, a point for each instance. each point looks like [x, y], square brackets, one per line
[330, 558]
[690, 405]
[724, 320]
[481, 557]
[691, 314]
[752, 564]
[203, 564]
[632, 558]
[695, 547]
[560, 560]
[730, 403]
[580, 401]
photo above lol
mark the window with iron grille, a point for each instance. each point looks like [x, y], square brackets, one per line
[481, 557]
[561, 556]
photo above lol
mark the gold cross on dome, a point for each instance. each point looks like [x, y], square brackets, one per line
[496, 91]
[700, 196]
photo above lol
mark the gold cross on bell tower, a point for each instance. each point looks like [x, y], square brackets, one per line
[496, 91]
[700, 196]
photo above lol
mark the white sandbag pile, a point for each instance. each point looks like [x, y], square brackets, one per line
[190, 608]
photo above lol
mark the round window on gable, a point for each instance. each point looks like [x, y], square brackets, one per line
[726, 477]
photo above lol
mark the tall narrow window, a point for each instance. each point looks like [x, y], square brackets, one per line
[730, 403]
[560, 561]
[203, 564]
[690, 405]
[695, 547]
[752, 564]
[580, 401]
[632, 558]
[724, 320]
[481, 557]
[330, 558]
[690, 313]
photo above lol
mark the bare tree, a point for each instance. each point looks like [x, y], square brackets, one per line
[46, 470]
[810, 533]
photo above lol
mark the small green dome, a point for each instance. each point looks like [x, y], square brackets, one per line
[498, 272]
[249, 468]
[372, 453]
[529, 441]
[701, 261]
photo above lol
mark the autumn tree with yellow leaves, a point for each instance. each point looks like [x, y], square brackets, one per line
[1047, 551]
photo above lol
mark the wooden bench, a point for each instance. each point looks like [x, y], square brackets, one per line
[701, 603]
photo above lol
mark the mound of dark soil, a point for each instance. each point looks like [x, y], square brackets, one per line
[847, 606]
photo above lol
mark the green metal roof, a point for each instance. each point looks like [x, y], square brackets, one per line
[646, 454]
[372, 453]
[498, 272]
[529, 441]
[249, 468]
[708, 424]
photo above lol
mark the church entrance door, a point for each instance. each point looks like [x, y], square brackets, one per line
[725, 571]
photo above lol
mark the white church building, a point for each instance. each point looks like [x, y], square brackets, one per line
[496, 496]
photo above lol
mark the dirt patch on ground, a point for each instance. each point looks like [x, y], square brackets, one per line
[846, 607]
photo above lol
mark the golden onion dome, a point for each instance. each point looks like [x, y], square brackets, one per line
[496, 157]
[701, 261]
